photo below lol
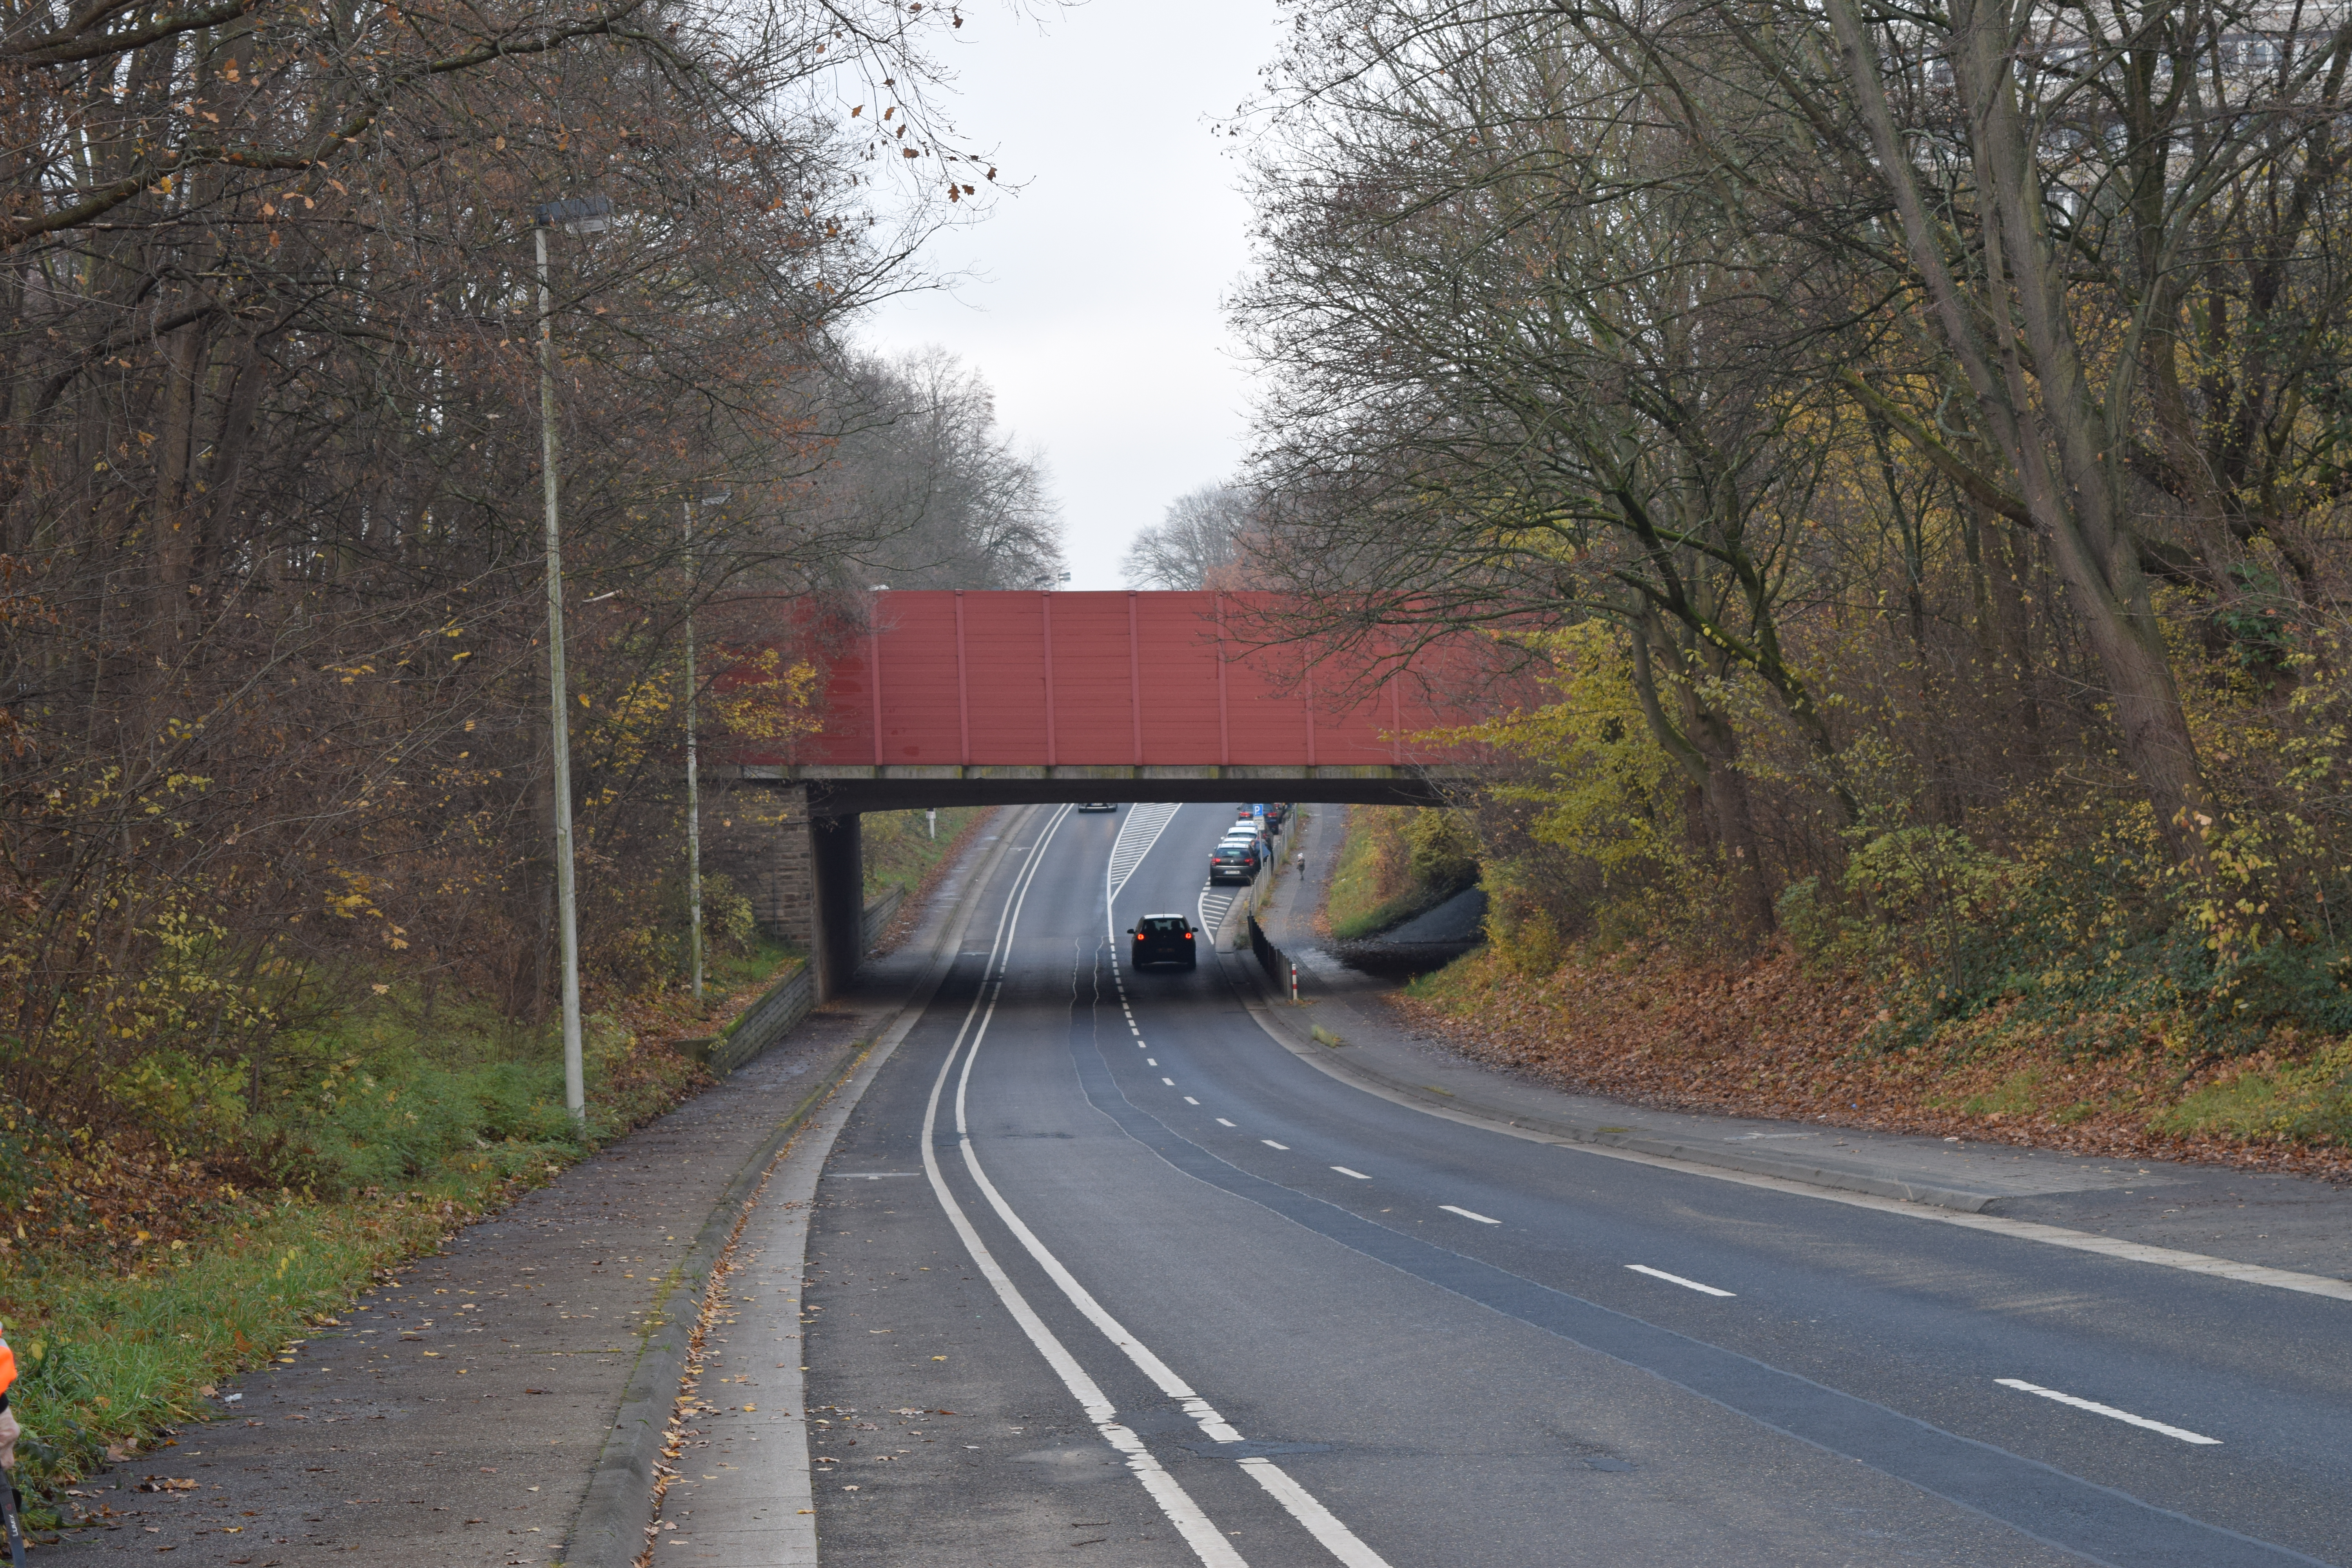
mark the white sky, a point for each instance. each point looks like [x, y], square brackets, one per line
[1093, 301]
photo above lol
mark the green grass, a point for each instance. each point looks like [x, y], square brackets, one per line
[2017, 1095]
[1395, 863]
[1369, 884]
[900, 849]
[108, 1361]
[763, 962]
[381, 1134]
[2303, 1101]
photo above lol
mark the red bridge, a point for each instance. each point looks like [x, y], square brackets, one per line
[963, 699]
[988, 698]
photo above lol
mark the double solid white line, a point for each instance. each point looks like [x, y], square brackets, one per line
[1206, 1541]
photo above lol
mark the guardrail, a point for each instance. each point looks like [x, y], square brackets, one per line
[1279, 966]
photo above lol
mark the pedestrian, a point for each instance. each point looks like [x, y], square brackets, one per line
[11, 1503]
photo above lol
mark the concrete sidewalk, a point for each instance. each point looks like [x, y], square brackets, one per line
[2269, 1221]
[458, 1415]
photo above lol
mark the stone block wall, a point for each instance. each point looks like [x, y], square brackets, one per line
[757, 836]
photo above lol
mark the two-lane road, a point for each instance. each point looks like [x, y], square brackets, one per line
[1098, 1267]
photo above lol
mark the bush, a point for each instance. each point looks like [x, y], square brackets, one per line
[195, 1107]
[1442, 857]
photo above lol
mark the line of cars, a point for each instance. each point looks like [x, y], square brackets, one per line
[1242, 850]
[1170, 938]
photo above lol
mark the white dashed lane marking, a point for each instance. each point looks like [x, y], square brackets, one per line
[1677, 1280]
[1223, 1122]
[2109, 1411]
[1272, 1145]
[1358, 1174]
[1465, 1213]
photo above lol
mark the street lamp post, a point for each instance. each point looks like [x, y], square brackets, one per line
[693, 787]
[580, 215]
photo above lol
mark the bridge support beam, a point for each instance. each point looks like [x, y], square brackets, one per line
[837, 891]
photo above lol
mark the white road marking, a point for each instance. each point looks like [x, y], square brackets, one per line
[1152, 1061]
[1214, 907]
[1223, 1122]
[1678, 1280]
[1168, 1081]
[2109, 1411]
[1211, 1547]
[1190, 1101]
[1137, 835]
[1206, 1541]
[1358, 1174]
[1272, 1145]
[1465, 1213]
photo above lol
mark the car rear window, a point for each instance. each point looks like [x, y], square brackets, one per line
[1165, 925]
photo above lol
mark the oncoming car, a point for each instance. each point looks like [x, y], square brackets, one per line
[1098, 806]
[1163, 939]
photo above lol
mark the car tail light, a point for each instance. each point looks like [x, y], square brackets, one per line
[1187, 936]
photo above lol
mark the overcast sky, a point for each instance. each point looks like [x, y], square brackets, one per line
[1093, 304]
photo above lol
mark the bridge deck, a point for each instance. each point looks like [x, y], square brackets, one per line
[957, 698]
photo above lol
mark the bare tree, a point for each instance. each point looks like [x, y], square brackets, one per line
[274, 646]
[938, 496]
[1195, 545]
[1519, 376]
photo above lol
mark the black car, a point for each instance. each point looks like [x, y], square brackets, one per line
[1098, 806]
[1234, 861]
[1164, 939]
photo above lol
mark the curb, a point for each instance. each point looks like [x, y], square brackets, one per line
[610, 1528]
[609, 1531]
[1877, 1181]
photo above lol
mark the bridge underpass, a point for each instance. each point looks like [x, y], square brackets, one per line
[1006, 698]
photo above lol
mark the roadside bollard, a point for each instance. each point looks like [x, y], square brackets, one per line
[1294, 983]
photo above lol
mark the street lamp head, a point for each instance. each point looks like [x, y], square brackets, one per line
[590, 213]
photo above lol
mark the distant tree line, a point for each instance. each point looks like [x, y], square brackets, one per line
[1912, 443]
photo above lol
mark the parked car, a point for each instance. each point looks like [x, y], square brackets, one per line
[1098, 806]
[1233, 862]
[1164, 939]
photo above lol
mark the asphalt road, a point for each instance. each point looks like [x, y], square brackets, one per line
[1099, 1268]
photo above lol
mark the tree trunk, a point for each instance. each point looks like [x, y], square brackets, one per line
[2044, 420]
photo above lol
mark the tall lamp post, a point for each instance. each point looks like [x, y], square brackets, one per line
[578, 215]
[693, 788]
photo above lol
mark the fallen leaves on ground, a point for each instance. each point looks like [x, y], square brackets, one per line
[1765, 1037]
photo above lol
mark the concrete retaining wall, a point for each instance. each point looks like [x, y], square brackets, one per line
[879, 916]
[787, 1002]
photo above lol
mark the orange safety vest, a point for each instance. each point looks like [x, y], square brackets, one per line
[8, 1368]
